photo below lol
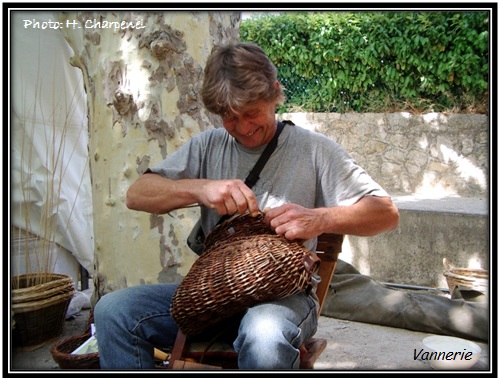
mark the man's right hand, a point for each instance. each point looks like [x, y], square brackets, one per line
[228, 197]
[159, 195]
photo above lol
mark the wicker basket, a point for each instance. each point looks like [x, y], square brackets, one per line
[62, 354]
[245, 263]
[29, 287]
[39, 310]
[468, 278]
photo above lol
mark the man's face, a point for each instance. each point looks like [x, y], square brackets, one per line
[252, 126]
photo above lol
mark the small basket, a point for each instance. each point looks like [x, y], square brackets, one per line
[39, 308]
[62, 354]
[468, 278]
[244, 263]
[62, 351]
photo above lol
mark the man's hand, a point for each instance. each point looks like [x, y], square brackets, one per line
[159, 195]
[228, 197]
[294, 221]
[369, 216]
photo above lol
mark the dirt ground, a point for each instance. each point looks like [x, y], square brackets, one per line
[353, 347]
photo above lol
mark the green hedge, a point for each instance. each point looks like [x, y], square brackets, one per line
[377, 61]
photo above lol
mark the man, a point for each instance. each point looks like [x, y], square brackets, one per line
[309, 186]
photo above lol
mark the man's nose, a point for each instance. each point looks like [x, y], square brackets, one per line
[243, 126]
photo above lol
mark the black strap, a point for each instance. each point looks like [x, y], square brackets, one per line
[253, 177]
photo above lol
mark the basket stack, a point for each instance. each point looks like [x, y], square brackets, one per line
[244, 263]
[39, 305]
[465, 278]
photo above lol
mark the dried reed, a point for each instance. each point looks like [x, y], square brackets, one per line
[40, 255]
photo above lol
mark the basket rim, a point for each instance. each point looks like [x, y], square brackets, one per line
[449, 268]
[482, 274]
[67, 360]
[55, 349]
[36, 296]
[59, 280]
[41, 304]
[479, 270]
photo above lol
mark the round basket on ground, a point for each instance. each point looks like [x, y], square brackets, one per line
[62, 354]
[39, 305]
[244, 263]
[465, 278]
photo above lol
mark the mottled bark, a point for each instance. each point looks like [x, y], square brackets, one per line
[142, 72]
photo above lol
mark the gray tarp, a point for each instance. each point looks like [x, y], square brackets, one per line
[356, 297]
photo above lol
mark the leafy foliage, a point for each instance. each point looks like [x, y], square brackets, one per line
[377, 61]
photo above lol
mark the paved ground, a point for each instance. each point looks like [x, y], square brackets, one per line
[353, 347]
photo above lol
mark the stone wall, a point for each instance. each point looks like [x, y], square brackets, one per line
[433, 154]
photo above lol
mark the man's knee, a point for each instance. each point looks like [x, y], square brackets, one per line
[110, 305]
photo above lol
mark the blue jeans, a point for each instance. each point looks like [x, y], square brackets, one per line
[130, 322]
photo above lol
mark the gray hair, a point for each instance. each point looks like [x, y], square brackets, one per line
[237, 75]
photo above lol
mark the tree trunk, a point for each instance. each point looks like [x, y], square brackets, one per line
[142, 72]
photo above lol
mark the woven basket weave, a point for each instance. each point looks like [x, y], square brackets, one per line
[53, 285]
[62, 354]
[244, 263]
[39, 309]
[468, 278]
[62, 351]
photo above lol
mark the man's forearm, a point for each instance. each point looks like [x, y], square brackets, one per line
[158, 195]
[369, 216]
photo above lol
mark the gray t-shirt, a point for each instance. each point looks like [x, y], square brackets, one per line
[306, 168]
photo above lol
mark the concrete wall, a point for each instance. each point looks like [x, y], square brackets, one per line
[429, 231]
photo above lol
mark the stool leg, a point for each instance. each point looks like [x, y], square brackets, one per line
[178, 349]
